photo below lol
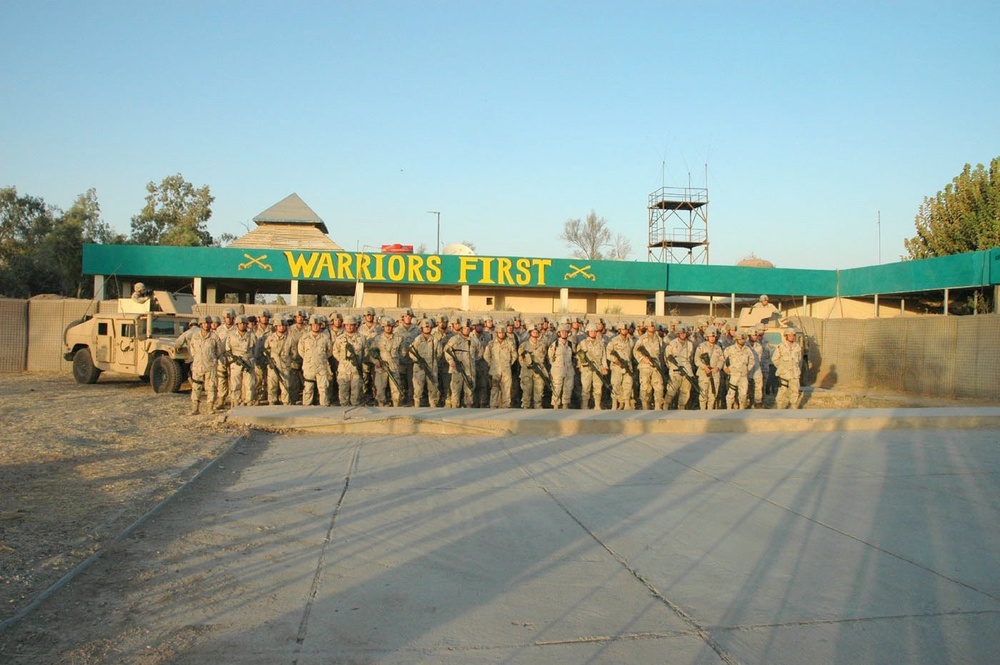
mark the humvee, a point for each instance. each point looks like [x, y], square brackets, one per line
[131, 342]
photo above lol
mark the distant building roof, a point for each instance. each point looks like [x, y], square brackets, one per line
[291, 210]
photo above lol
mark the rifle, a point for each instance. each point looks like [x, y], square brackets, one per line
[582, 353]
[273, 366]
[539, 370]
[705, 358]
[655, 362]
[672, 359]
[419, 359]
[461, 368]
[392, 375]
[352, 357]
[237, 360]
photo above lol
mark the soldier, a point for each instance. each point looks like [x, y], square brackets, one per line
[203, 345]
[485, 336]
[261, 331]
[648, 355]
[241, 351]
[425, 351]
[314, 348]
[278, 355]
[349, 349]
[441, 335]
[787, 360]
[619, 351]
[709, 361]
[560, 356]
[222, 331]
[384, 352]
[461, 351]
[369, 329]
[296, 331]
[679, 355]
[762, 361]
[500, 355]
[531, 357]
[592, 362]
[739, 362]
[406, 330]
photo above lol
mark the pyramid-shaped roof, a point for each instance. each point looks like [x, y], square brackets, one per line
[291, 210]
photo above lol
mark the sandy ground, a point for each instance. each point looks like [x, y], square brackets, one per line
[79, 464]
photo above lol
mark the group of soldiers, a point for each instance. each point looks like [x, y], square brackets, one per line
[297, 358]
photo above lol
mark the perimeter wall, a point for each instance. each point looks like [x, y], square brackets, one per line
[931, 355]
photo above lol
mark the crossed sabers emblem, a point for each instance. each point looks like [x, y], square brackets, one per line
[259, 261]
[580, 271]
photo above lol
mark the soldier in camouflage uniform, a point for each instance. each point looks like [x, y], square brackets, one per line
[315, 348]
[560, 355]
[222, 331]
[241, 350]
[299, 328]
[461, 351]
[709, 361]
[762, 362]
[349, 350]
[648, 354]
[787, 360]
[406, 331]
[679, 356]
[592, 353]
[500, 354]
[384, 353]
[619, 352]
[531, 357]
[442, 333]
[203, 346]
[739, 362]
[278, 355]
[425, 351]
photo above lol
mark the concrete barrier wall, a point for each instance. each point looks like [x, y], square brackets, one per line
[13, 335]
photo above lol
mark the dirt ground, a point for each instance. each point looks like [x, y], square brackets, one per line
[79, 464]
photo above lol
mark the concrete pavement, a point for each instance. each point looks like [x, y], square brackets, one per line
[479, 537]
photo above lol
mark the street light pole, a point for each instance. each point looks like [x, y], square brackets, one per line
[438, 213]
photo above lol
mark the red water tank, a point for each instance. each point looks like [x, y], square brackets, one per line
[397, 249]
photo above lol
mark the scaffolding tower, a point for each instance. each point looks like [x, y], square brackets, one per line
[678, 225]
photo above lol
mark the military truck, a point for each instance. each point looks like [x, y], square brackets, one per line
[140, 343]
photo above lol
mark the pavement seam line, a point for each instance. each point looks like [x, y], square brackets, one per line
[834, 529]
[700, 631]
[300, 637]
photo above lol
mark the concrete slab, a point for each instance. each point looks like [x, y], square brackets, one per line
[833, 546]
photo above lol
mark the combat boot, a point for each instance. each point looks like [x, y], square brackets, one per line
[194, 409]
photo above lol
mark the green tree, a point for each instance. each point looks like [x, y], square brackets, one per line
[964, 217]
[175, 214]
[591, 239]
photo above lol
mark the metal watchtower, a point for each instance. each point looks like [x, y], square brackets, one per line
[678, 225]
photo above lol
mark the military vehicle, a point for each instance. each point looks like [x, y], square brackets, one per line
[131, 341]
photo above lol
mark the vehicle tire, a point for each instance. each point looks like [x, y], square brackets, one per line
[83, 367]
[165, 375]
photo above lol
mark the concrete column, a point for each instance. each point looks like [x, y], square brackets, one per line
[732, 305]
[196, 290]
[563, 300]
[902, 306]
[876, 305]
[659, 302]
[805, 306]
[98, 287]
[465, 297]
[211, 294]
[947, 297]
[359, 294]
[996, 298]
[294, 293]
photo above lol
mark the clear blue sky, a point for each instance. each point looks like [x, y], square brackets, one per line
[510, 117]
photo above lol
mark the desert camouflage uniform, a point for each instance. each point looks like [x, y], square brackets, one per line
[462, 350]
[787, 360]
[500, 354]
[427, 346]
[709, 373]
[278, 346]
[563, 375]
[681, 350]
[203, 347]
[384, 352]
[593, 348]
[315, 349]
[739, 362]
[619, 351]
[650, 378]
[531, 353]
[349, 350]
[242, 346]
